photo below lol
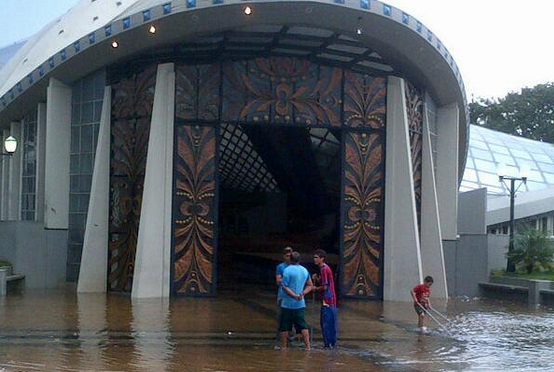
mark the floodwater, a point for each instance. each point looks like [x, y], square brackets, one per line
[62, 331]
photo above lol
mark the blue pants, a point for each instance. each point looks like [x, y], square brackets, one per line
[329, 325]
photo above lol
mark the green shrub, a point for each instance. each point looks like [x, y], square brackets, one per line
[532, 248]
[5, 263]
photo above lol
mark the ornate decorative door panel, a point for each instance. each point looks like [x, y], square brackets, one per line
[195, 210]
[414, 107]
[363, 214]
[278, 91]
[132, 100]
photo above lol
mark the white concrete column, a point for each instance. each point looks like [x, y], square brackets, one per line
[5, 181]
[58, 139]
[432, 256]
[447, 169]
[14, 189]
[401, 250]
[41, 154]
[153, 257]
[93, 274]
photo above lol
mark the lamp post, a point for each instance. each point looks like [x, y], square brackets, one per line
[10, 145]
[510, 267]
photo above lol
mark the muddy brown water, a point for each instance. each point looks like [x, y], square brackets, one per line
[63, 331]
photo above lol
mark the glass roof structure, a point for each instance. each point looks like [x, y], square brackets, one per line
[490, 150]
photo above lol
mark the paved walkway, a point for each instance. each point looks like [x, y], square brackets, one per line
[59, 330]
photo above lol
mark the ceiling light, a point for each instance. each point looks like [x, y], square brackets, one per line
[247, 10]
[359, 31]
[115, 44]
[152, 29]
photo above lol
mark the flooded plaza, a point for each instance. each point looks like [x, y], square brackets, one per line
[62, 331]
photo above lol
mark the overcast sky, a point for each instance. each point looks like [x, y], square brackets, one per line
[499, 45]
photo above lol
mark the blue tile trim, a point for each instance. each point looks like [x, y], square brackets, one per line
[126, 23]
[19, 87]
[387, 10]
[11, 94]
[77, 46]
[146, 15]
[405, 18]
[3, 101]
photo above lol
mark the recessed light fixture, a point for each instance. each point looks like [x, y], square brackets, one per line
[115, 44]
[247, 10]
[359, 31]
[152, 29]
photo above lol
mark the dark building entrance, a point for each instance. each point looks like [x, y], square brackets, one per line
[271, 152]
[279, 186]
[268, 152]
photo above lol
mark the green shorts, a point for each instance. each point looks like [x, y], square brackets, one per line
[419, 309]
[290, 317]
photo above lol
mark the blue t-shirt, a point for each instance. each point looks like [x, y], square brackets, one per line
[294, 277]
[280, 270]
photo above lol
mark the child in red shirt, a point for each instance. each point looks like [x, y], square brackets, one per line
[421, 293]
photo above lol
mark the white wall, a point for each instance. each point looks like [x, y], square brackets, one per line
[432, 255]
[153, 258]
[447, 169]
[93, 274]
[58, 140]
[402, 268]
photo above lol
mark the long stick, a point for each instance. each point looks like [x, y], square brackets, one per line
[452, 324]
[436, 321]
[442, 316]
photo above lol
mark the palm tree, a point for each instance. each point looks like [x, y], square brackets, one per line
[532, 248]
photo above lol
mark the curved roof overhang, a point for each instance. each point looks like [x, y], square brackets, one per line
[410, 49]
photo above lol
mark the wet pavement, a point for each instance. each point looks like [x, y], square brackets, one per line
[62, 331]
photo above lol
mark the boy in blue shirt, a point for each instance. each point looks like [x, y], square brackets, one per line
[279, 273]
[296, 284]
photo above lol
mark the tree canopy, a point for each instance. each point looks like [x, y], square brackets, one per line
[528, 113]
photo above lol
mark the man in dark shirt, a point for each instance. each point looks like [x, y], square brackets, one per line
[325, 284]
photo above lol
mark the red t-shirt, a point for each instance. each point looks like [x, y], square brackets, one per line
[422, 293]
[329, 296]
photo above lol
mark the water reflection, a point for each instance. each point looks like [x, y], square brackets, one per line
[62, 331]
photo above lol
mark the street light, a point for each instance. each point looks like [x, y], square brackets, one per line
[10, 145]
[503, 176]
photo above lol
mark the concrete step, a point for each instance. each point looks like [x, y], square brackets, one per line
[504, 287]
[15, 277]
